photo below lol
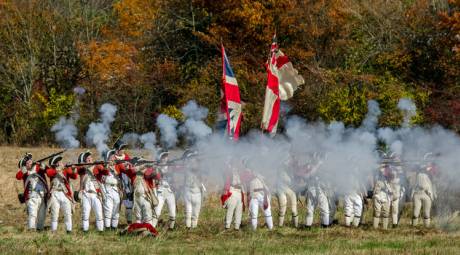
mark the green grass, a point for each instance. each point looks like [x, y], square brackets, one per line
[210, 237]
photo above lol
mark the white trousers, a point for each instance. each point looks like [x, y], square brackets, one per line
[317, 198]
[60, 201]
[381, 209]
[143, 210]
[36, 211]
[234, 205]
[192, 208]
[91, 201]
[165, 197]
[111, 208]
[353, 209]
[420, 199]
[256, 202]
[283, 196]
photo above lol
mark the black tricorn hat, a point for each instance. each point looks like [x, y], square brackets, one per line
[162, 153]
[22, 162]
[119, 145]
[82, 157]
[54, 160]
[27, 157]
[109, 154]
[189, 153]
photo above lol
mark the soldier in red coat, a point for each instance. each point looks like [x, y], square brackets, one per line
[145, 197]
[35, 191]
[126, 184]
[61, 194]
[90, 192]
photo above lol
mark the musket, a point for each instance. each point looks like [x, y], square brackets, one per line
[50, 156]
[86, 164]
[413, 161]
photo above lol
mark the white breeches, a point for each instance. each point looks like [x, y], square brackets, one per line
[166, 197]
[234, 205]
[381, 209]
[143, 210]
[60, 201]
[284, 196]
[381, 205]
[36, 211]
[422, 199]
[317, 198]
[91, 201]
[192, 208]
[256, 202]
[111, 208]
[353, 209]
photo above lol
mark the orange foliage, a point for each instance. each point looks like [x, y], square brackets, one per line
[451, 21]
[135, 16]
[109, 60]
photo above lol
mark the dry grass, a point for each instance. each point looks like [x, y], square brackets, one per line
[210, 236]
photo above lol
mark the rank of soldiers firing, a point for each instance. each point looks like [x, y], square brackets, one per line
[143, 187]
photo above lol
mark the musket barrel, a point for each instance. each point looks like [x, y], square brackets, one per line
[50, 156]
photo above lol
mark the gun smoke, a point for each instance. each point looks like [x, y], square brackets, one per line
[66, 133]
[194, 127]
[99, 132]
[167, 126]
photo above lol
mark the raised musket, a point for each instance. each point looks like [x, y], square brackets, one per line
[86, 164]
[50, 156]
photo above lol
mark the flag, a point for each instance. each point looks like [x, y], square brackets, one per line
[282, 80]
[230, 107]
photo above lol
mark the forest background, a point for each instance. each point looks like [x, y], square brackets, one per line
[151, 56]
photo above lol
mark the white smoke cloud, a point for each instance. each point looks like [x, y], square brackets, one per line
[371, 120]
[131, 139]
[348, 154]
[194, 127]
[409, 110]
[66, 133]
[99, 132]
[168, 130]
[149, 140]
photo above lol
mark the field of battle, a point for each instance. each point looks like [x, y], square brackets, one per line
[229, 127]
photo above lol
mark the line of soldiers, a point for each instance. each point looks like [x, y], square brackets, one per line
[144, 189]
[388, 190]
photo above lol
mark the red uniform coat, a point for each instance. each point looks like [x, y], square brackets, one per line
[23, 176]
[98, 172]
[68, 174]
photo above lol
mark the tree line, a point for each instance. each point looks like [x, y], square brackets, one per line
[150, 57]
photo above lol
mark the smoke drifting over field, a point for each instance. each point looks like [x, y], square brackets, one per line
[66, 133]
[194, 128]
[344, 156]
[99, 132]
[167, 126]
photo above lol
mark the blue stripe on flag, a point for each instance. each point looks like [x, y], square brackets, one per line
[228, 68]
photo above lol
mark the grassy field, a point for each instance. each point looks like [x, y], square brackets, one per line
[210, 236]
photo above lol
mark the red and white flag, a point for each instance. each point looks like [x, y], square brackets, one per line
[230, 107]
[282, 80]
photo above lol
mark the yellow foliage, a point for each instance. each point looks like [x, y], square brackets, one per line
[173, 112]
[55, 105]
